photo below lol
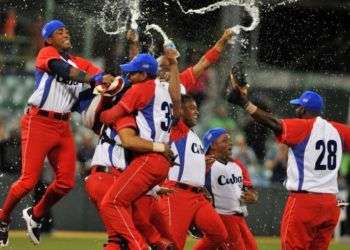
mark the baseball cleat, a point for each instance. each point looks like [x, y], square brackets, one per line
[4, 234]
[195, 232]
[33, 227]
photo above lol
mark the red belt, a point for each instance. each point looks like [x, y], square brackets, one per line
[50, 114]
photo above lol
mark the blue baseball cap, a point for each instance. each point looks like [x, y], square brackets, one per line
[310, 100]
[210, 137]
[142, 62]
[50, 27]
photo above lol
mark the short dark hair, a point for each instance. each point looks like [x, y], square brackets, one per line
[313, 112]
[186, 98]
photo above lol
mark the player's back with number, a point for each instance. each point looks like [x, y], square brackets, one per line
[152, 103]
[316, 147]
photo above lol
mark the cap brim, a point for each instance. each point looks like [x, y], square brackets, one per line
[128, 67]
[295, 102]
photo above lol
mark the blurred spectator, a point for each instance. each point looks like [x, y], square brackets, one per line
[2, 138]
[256, 133]
[37, 40]
[222, 119]
[85, 152]
[276, 161]
[256, 136]
[10, 150]
[2, 130]
[9, 28]
[243, 152]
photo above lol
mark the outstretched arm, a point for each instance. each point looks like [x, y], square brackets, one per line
[174, 82]
[69, 72]
[213, 54]
[241, 98]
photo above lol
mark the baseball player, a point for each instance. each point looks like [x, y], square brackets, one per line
[175, 206]
[188, 203]
[315, 151]
[108, 162]
[229, 183]
[145, 210]
[110, 158]
[45, 129]
[150, 100]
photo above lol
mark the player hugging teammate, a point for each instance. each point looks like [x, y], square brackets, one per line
[151, 176]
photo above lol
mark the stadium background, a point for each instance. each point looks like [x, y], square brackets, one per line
[298, 45]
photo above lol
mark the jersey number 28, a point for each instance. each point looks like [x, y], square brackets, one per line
[329, 149]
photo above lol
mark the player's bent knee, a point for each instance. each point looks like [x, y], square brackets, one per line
[23, 187]
[219, 236]
[63, 187]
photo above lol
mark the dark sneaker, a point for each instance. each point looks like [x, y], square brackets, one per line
[195, 232]
[33, 227]
[4, 234]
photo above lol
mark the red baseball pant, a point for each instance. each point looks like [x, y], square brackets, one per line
[308, 221]
[42, 136]
[182, 207]
[97, 185]
[140, 176]
[239, 234]
[149, 220]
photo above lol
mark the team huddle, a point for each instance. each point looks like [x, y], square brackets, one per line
[152, 178]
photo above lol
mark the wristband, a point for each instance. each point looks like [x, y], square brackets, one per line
[250, 108]
[212, 55]
[158, 147]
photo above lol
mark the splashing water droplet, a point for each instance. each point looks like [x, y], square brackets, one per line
[116, 14]
[249, 6]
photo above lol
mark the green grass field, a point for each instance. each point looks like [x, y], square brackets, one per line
[94, 241]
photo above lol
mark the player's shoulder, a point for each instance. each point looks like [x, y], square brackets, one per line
[79, 60]
[48, 51]
[297, 126]
[340, 127]
[237, 163]
[298, 122]
[179, 131]
[145, 85]
[143, 89]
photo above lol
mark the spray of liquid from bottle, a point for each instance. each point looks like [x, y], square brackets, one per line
[249, 6]
[167, 42]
